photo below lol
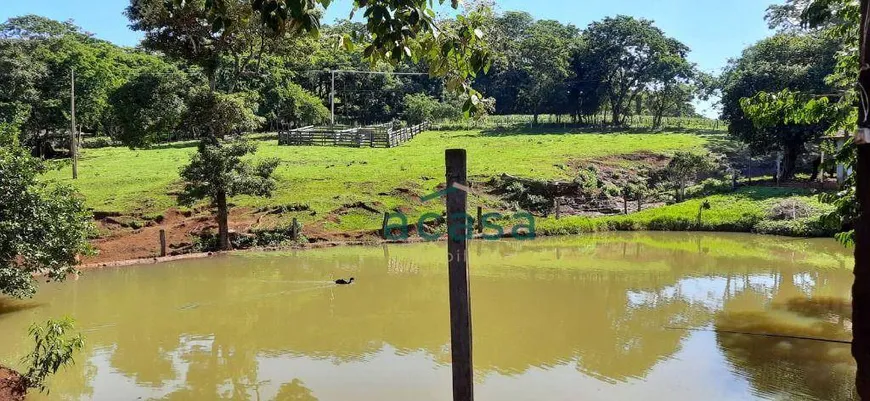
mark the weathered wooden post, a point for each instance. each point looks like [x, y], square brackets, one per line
[558, 210]
[457, 258]
[162, 242]
[294, 230]
[480, 219]
[861, 286]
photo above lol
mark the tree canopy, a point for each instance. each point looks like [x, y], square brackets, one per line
[218, 172]
[43, 229]
[793, 61]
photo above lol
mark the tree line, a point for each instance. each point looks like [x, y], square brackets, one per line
[160, 90]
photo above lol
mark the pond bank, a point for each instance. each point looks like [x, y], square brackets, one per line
[747, 210]
[12, 386]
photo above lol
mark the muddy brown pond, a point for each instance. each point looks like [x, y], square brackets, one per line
[609, 317]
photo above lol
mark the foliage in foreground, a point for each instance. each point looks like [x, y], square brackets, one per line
[54, 346]
[43, 228]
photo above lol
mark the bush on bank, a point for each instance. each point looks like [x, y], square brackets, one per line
[747, 210]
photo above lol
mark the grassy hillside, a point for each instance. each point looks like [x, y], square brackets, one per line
[327, 178]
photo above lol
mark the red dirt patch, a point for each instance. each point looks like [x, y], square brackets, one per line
[12, 386]
[123, 243]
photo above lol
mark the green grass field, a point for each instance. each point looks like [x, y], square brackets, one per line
[326, 178]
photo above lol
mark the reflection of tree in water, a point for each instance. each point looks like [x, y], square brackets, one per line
[792, 368]
[602, 307]
[295, 391]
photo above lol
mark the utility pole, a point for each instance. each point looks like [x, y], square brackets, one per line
[332, 99]
[861, 286]
[73, 146]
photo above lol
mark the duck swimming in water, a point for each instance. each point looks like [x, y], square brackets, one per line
[342, 281]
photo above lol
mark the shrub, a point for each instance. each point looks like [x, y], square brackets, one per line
[54, 349]
[290, 103]
[97, 142]
[684, 169]
[790, 209]
[587, 179]
[148, 108]
[611, 190]
[523, 198]
[671, 223]
[220, 115]
[420, 107]
[710, 186]
[810, 227]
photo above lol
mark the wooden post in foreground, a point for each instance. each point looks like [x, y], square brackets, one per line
[861, 286]
[457, 253]
[162, 242]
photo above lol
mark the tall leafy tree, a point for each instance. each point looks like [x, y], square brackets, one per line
[671, 86]
[218, 172]
[793, 61]
[398, 31]
[39, 54]
[847, 108]
[43, 228]
[187, 31]
[546, 51]
[149, 108]
[625, 55]
[506, 77]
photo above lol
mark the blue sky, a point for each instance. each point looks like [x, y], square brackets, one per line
[715, 30]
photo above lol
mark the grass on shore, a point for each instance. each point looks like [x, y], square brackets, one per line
[745, 210]
[327, 178]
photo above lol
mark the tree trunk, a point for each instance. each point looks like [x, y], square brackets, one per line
[789, 161]
[223, 221]
[615, 113]
[625, 205]
[861, 287]
[639, 203]
[817, 163]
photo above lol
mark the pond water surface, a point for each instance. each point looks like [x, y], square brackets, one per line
[610, 317]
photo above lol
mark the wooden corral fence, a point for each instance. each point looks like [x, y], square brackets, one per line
[375, 136]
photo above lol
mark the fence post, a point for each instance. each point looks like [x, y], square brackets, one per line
[457, 257]
[162, 242]
[384, 225]
[558, 209]
[294, 230]
[480, 219]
